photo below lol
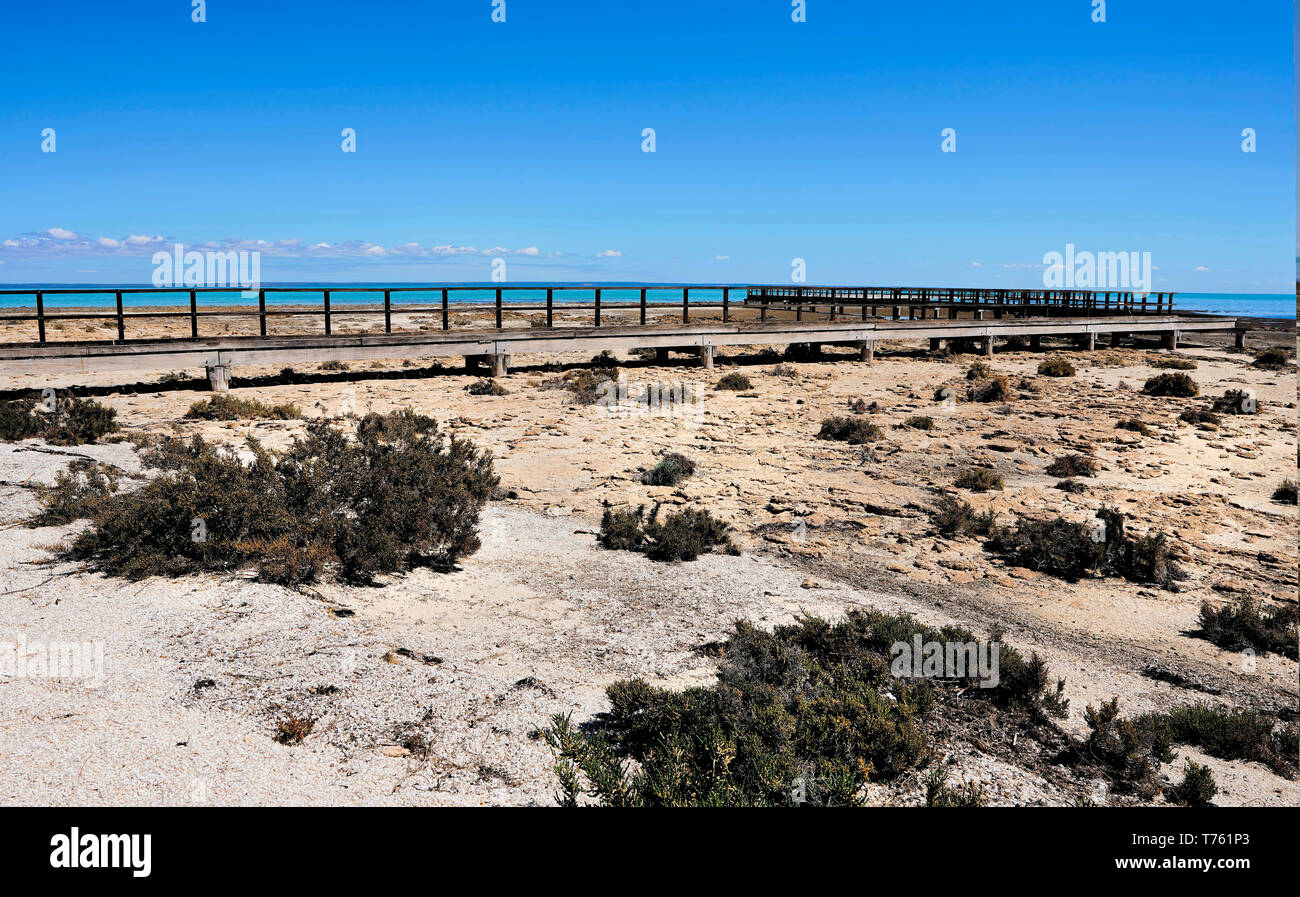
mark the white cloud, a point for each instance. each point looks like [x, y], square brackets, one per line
[108, 242]
[59, 233]
[721, 258]
[609, 254]
[528, 250]
[138, 240]
[976, 265]
[1200, 268]
[376, 250]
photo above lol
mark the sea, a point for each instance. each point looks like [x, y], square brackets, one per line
[1251, 305]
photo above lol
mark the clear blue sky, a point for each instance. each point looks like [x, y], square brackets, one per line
[775, 140]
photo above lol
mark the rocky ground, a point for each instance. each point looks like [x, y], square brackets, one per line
[426, 690]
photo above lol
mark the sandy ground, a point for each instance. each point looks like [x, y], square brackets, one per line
[541, 619]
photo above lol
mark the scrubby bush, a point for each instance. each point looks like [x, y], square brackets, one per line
[1197, 789]
[1230, 733]
[1072, 550]
[939, 794]
[954, 517]
[1072, 465]
[1074, 487]
[671, 470]
[1134, 425]
[1056, 367]
[1236, 401]
[919, 422]
[1244, 625]
[72, 421]
[74, 493]
[228, 407]
[681, 536]
[799, 715]
[978, 479]
[735, 381]
[486, 387]
[585, 385]
[1200, 416]
[1272, 358]
[853, 430]
[604, 360]
[788, 371]
[995, 389]
[862, 406]
[335, 365]
[978, 370]
[1177, 385]
[1285, 493]
[1128, 750]
[392, 494]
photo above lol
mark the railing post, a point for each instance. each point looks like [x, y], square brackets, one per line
[388, 311]
[726, 305]
[194, 315]
[445, 323]
[762, 308]
[40, 316]
[550, 307]
[328, 324]
[686, 305]
[498, 309]
[643, 305]
[597, 308]
[261, 311]
[121, 320]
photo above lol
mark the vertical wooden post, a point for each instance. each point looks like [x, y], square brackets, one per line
[643, 305]
[445, 321]
[686, 307]
[194, 315]
[121, 321]
[261, 311]
[328, 324]
[40, 316]
[498, 309]
[726, 305]
[762, 309]
[388, 312]
[597, 308]
[550, 307]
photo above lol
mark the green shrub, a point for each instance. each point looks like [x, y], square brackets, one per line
[1236, 401]
[1197, 788]
[1272, 358]
[486, 387]
[979, 479]
[978, 370]
[75, 492]
[1134, 425]
[735, 381]
[1229, 733]
[1128, 750]
[681, 536]
[671, 470]
[939, 794]
[1286, 492]
[853, 430]
[1234, 627]
[1072, 465]
[392, 494]
[73, 421]
[953, 517]
[228, 407]
[797, 716]
[1056, 367]
[1177, 385]
[996, 389]
[919, 422]
[1072, 550]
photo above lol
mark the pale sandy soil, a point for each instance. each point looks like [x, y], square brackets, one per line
[541, 600]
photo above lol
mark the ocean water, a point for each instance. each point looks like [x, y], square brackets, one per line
[1255, 305]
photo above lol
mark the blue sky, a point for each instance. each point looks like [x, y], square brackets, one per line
[775, 140]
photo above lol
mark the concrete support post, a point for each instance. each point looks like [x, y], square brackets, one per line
[1239, 339]
[1035, 343]
[706, 356]
[988, 346]
[1115, 337]
[500, 365]
[1089, 341]
[867, 351]
[1169, 339]
[218, 376]
[661, 355]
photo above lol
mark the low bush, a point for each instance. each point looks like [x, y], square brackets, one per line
[228, 407]
[919, 422]
[335, 365]
[1072, 465]
[804, 714]
[1197, 788]
[1073, 550]
[72, 421]
[604, 360]
[954, 517]
[787, 371]
[1229, 733]
[391, 494]
[1074, 487]
[853, 430]
[74, 493]
[862, 406]
[1272, 358]
[978, 479]
[995, 389]
[1285, 493]
[1177, 385]
[671, 470]
[1243, 624]
[978, 370]
[486, 387]
[1134, 425]
[1236, 401]
[681, 536]
[1056, 367]
[939, 794]
[585, 385]
[1199, 416]
[735, 381]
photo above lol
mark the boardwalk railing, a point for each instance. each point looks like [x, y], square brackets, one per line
[808, 298]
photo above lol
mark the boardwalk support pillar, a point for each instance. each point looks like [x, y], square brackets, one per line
[661, 355]
[1169, 339]
[1035, 343]
[218, 376]
[1115, 337]
[1088, 342]
[988, 346]
[935, 344]
[706, 356]
[867, 351]
[500, 365]
[1239, 339]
